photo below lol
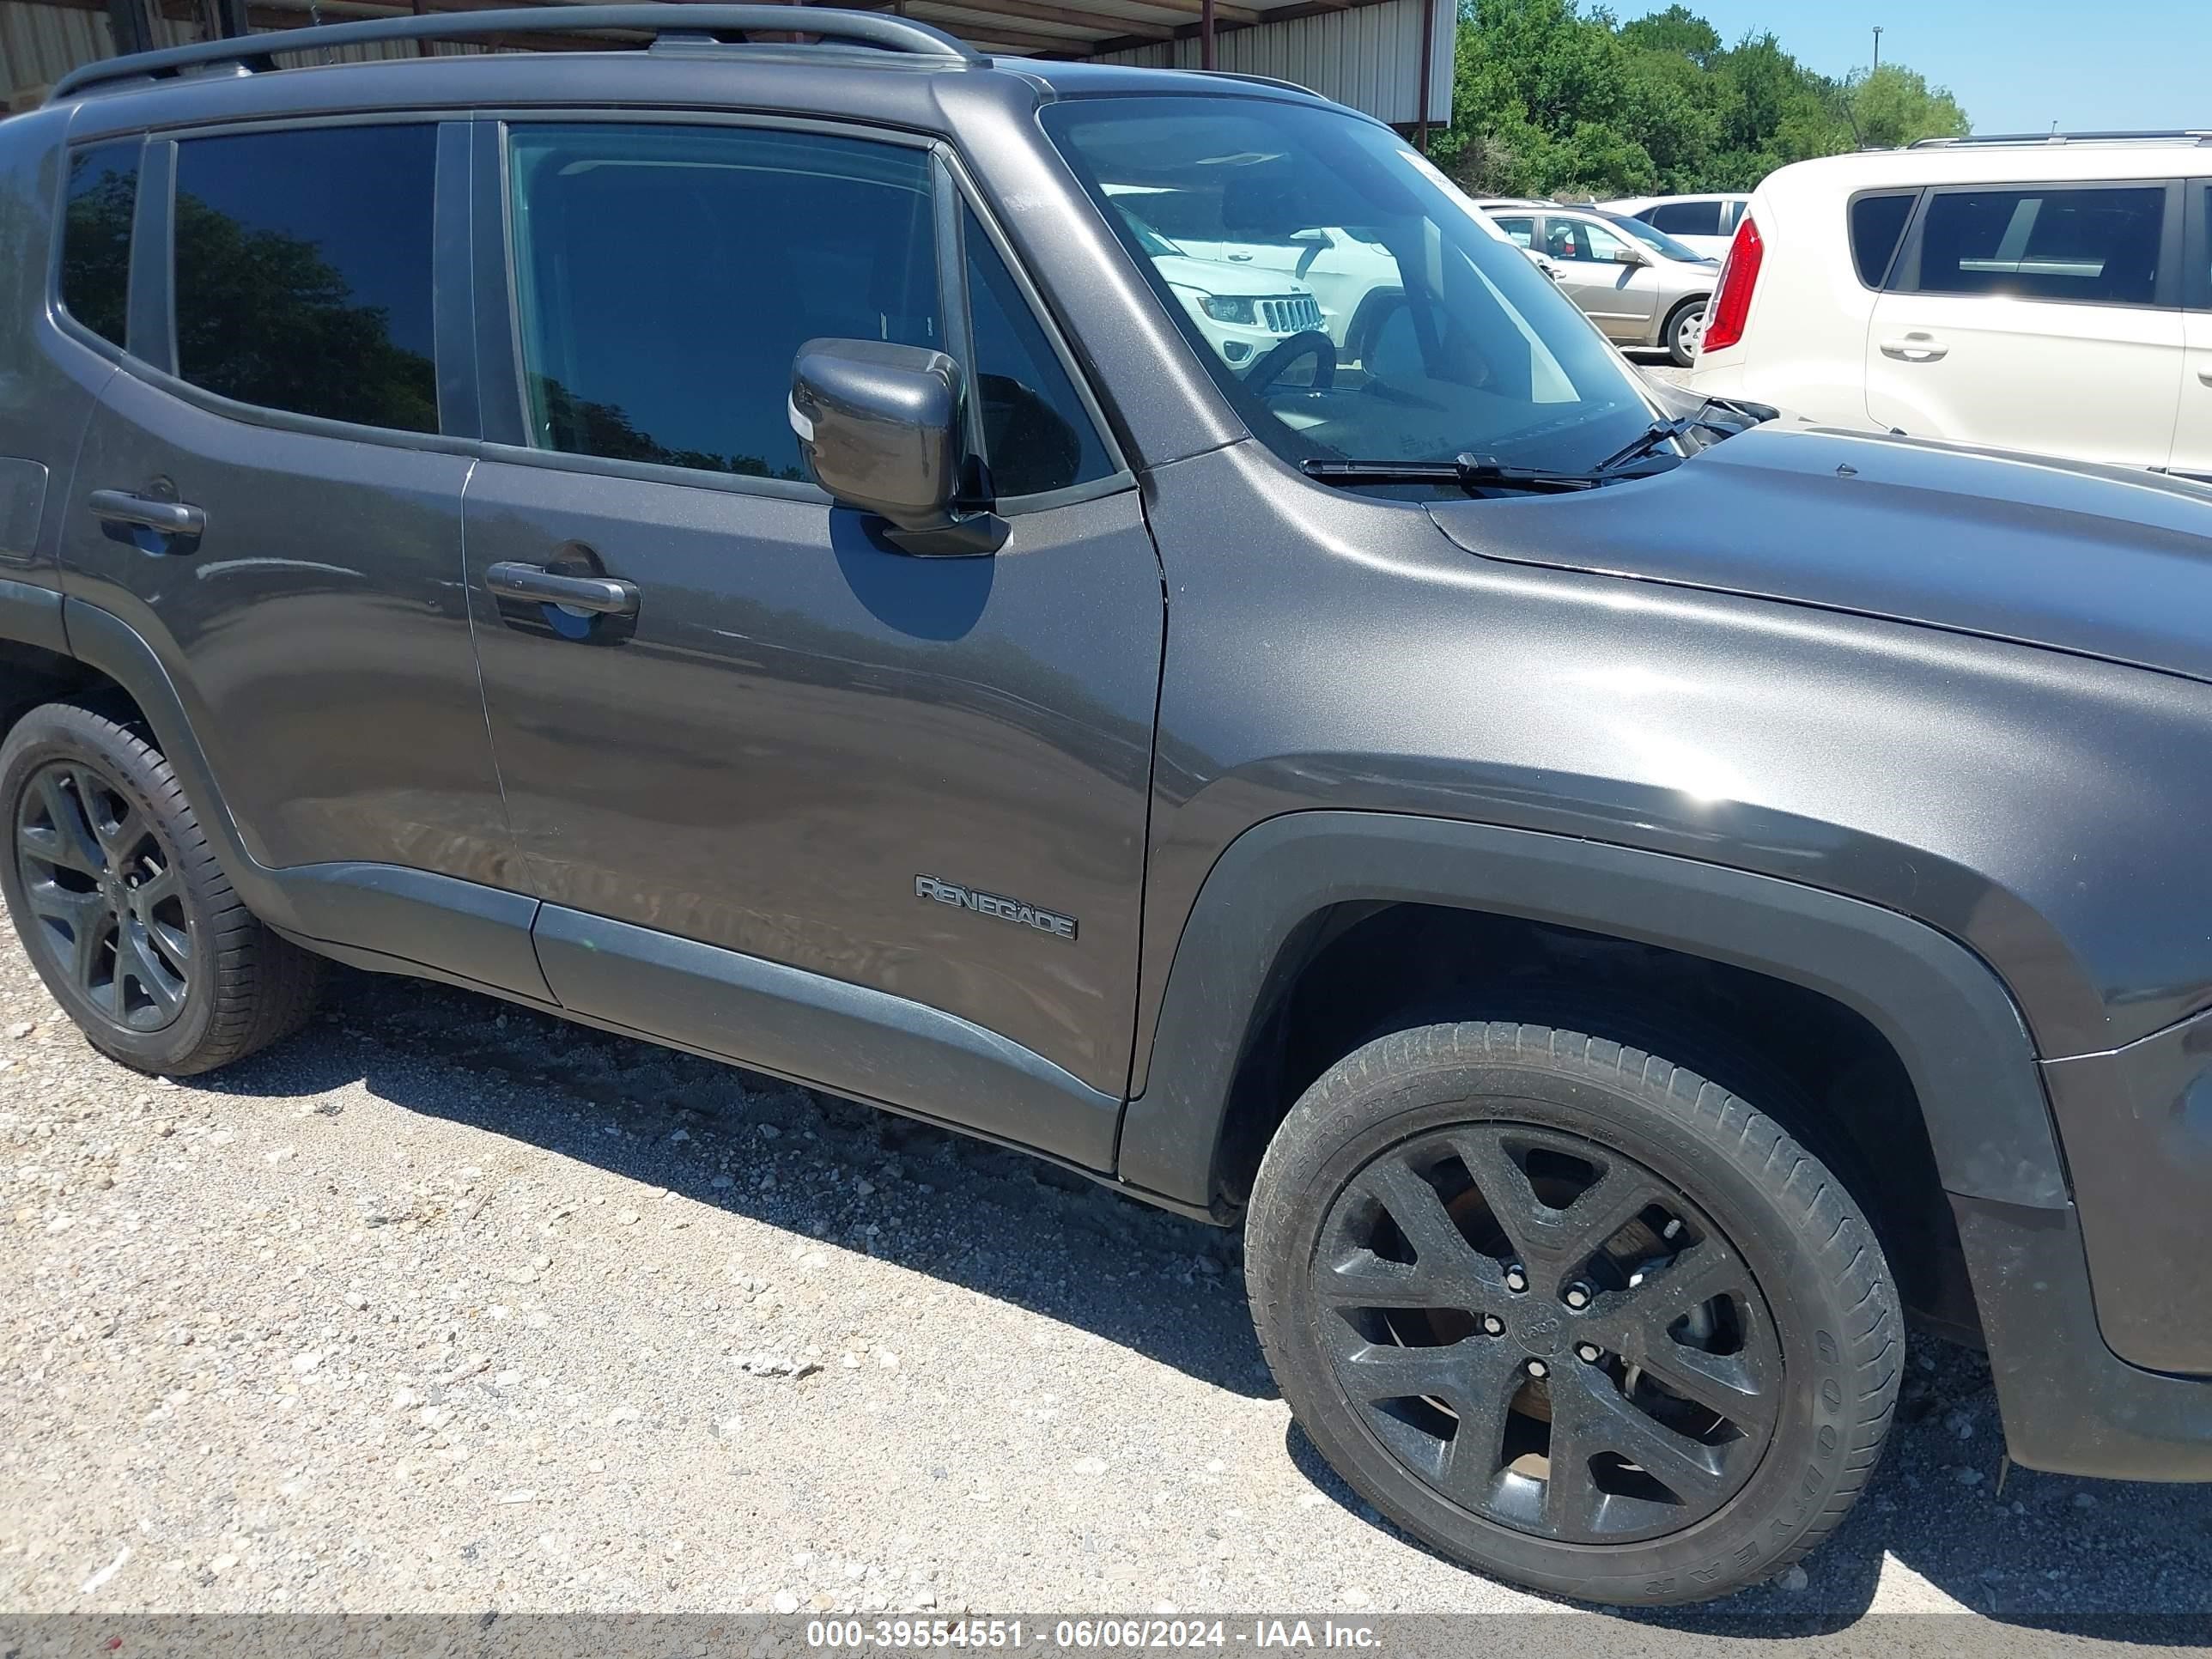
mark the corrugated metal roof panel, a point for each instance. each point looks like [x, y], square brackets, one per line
[1369, 58]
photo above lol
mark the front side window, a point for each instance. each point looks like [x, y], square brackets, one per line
[1350, 303]
[103, 193]
[2098, 245]
[666, 276]
[1579, 239]
[303, 271]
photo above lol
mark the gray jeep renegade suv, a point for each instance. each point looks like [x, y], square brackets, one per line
[771, 548]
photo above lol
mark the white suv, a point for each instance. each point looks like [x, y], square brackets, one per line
[2048, 294]
[1702, 222]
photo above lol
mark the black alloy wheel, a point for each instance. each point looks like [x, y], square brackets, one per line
[1572, 1314]
[124, 909]
[1547, 1332]
[106, 897]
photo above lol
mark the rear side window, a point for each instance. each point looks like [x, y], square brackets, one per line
[1520, 227]
[2098, 245]
[668, 275]
[103, 192]
[1877, 226]
[1037, 435]
[1686, 218]
[303, 271]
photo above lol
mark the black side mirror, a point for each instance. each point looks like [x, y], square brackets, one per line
[881, 427]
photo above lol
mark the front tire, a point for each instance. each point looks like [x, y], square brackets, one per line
[123, 909]
[1683, 329]
[1571, 1314]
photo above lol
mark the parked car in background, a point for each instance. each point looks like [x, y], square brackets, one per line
[1243, 311]
[2035, 294]
[1344, 275]
[1633, 286]
[1705, 222]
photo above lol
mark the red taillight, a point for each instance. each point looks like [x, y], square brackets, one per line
[1739, 275]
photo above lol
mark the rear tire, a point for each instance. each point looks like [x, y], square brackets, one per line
[123, 909]
[1692, 1382]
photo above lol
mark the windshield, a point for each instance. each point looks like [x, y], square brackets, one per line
[1653, 237]
[1350, 303]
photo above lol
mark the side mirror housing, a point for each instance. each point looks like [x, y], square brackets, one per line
[1625, 255]
[881, 428]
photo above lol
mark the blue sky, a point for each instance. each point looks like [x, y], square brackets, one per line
[2015, 65]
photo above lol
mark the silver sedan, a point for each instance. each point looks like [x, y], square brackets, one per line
[1639, 285]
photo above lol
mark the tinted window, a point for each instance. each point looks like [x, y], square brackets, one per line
[1037, 435]
[103, 190]
[1877, 226]
[303, 271]
[1687, 218]
[668, 276]
[2094, 245]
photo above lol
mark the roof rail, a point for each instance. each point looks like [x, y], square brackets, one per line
[2177, 135]
[683, 18]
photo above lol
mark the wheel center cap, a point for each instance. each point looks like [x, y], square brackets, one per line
[1540, 1332]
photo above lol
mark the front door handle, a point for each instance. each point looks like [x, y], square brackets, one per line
[147, 512]
[1915, 348]
[535, 584]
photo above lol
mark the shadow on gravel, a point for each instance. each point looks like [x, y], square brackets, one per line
[2121, 1563]
[991, 1220]
[2131, 1564]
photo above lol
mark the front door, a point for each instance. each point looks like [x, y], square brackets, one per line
[2038, 318]
[792, 796]
[1614, 285]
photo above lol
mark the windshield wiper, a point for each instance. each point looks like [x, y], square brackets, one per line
[1468, 471]
[1698, 419]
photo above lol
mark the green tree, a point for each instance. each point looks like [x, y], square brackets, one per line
[1549, 99]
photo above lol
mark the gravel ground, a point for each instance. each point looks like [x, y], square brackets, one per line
[444, 1306]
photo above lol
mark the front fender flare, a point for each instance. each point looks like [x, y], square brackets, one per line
[1951, 1021]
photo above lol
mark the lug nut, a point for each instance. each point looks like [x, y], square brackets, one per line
[1492, 1325]
[1587, 1353]
[1538, 1368]
[1517, 1278]
[1579, 1295]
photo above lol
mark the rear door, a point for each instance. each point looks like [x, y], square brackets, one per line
[2192, 436]
[2045, 317]
[799, 798]
[267, 495]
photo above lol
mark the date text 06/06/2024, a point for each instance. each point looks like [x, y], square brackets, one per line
[1088, 1634]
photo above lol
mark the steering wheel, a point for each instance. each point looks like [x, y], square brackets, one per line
[1307, 342]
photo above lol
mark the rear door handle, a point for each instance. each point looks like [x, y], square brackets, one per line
[2204, 371]
[535, 584]
[170, 518]
[1915, 349]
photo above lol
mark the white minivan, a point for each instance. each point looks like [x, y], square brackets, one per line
[2052, 294]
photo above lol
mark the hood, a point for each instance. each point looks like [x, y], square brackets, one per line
[1230, 282]
[2098, 561]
